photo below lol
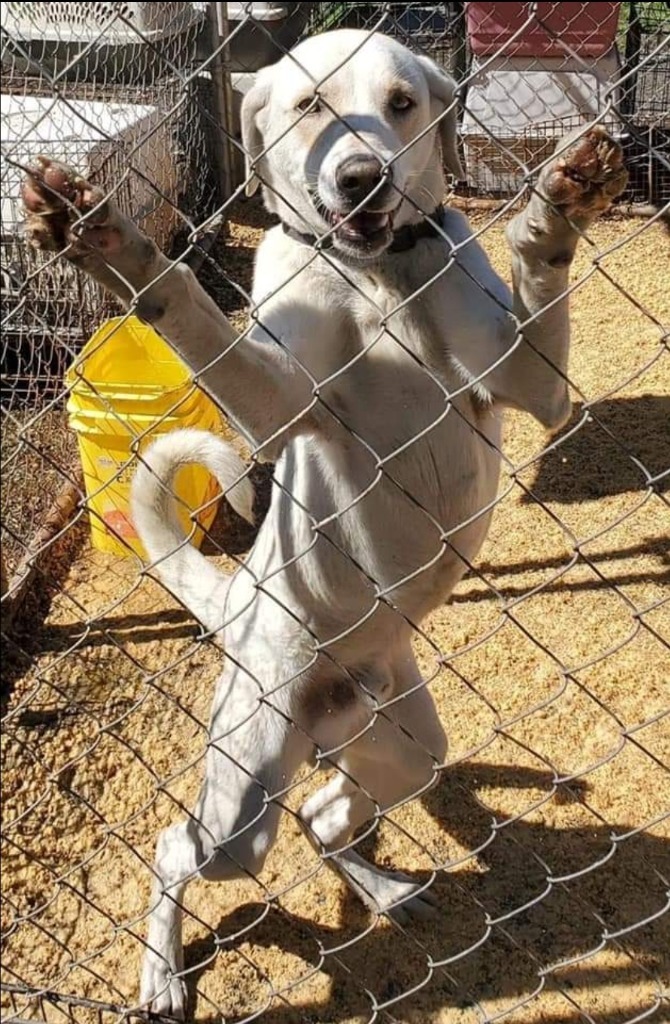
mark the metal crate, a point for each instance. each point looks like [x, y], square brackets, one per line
[648, 116]
[157, 154]
[652, 87]
[648, 161]
[499, 165]
[517, 108]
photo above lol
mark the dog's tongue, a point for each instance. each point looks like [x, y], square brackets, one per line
[364, 224]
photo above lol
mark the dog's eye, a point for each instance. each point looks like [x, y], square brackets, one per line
[310, 105]
[401, 102]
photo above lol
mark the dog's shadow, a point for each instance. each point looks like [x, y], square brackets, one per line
[501, 916]
[623, 442]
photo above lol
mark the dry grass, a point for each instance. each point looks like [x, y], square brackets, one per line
[118, 691]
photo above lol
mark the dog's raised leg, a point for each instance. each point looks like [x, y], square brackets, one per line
[582, 180]
[256, 380]
[397, 760]
[330, 819]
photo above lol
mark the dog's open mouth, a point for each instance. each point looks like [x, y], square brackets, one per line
[365, 228]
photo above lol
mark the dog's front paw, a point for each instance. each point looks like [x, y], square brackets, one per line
[63, 210]
[585, 178]
[161, 992]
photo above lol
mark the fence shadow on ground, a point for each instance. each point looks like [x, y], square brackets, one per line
[511, 873]
[179, 624]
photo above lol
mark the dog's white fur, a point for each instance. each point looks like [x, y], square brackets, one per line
[377, 382]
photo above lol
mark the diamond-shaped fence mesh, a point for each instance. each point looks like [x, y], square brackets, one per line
[415, 566]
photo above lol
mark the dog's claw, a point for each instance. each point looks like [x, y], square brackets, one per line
[588, 177]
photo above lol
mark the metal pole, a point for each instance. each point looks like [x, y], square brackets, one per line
[228, 100]
[220, 71]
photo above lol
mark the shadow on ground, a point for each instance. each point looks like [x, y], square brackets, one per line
[563, 921]
[615, 448]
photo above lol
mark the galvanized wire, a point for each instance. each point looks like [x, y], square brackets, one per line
[129, 91]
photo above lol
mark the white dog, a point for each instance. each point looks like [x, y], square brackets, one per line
[375, 373]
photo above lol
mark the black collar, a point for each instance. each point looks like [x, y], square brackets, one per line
[404, 239]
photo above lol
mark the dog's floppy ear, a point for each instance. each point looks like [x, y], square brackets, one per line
[443, 94]
[252, 137]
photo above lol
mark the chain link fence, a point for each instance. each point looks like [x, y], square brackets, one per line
[545, 842]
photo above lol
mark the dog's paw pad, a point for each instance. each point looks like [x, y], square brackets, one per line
[56, 198]
[587, 176]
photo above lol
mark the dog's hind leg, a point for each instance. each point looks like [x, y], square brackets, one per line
[395, 761]
[253, 753]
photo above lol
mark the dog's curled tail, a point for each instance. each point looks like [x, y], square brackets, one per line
[198, 584]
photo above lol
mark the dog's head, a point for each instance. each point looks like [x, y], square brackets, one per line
[348, 135]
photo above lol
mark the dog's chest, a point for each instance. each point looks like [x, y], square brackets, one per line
[403, 320]
[383, 297]
[412, 297]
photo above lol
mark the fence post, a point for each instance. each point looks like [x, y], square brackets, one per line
[631, 59]
[220, 71]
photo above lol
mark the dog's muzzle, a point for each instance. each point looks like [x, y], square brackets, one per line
[364, 213]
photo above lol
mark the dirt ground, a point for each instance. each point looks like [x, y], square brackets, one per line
[549, 832]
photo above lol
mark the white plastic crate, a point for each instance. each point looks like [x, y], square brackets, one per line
[157, 156]
[72, 131]
[517, 108]
[85, 22]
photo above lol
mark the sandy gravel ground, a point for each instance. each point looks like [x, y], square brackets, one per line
[548, 830]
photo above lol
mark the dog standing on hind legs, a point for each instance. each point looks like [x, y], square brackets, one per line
[375, 374]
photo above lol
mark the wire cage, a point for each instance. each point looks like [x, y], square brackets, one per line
[516, 108]
[648, 143]
[154, 149]
[99, 85]
[102, 42]
[505, 163]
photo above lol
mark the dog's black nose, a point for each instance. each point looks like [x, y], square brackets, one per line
[359, 175]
